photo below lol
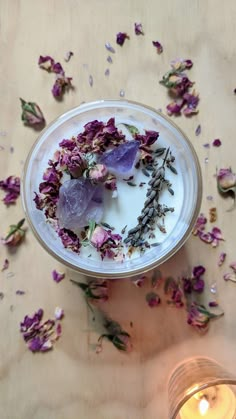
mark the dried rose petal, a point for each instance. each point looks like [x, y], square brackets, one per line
[187, 285]
[229, 276]
[20, 292]
[138, 29]
[191, 102]
[57, 276]
[11, 186]
[198, 271]
[46, 62]
[200, 224]
[233, 266]
[58, 313]
[99, 237]
[121, 37]
[216, 235]
[216, 143]
[31, 113]
[153, 299]
[221, 259]
[158, 46]
[5, 265]
[61, 84]
[174, 108]
[198, 285]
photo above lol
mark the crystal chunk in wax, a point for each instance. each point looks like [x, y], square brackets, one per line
[121, 159]
[79, 202]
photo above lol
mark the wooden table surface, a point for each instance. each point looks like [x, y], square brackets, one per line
[72, 381]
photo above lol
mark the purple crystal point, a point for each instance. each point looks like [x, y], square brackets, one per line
[79, 202]
[122, 158]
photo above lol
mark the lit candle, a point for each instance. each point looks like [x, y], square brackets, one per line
[216, 402]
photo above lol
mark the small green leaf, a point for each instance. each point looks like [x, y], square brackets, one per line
[132, 129]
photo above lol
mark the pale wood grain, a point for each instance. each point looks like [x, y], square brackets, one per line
[72, 382]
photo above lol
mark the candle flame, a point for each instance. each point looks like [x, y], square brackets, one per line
[203, 406]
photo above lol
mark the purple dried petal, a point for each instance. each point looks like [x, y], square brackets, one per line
[109, 59]
[109, 47]
[46, 62]
[158, 46]
[61, 84]
[205, 237]
[221, 259]
[187, 285]
[5, 265]
[198, 285]
[57, 276]
[216, 143]
[91, 80]
[209, 197]
[174, 108]
[191, 101]
[138, 29]
[20, 292]
[59, 313]
[121, 37]
[198, 130]
[68, 56]
[206, 145]
[11, 186]
[107, 72]
[213, 304]
[69, 240]
[198, 271]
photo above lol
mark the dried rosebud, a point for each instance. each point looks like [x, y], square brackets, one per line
[153, 299]
[118, 337]
[99, 237]
[98, 173]
[15, 236]
[121, 37]
[94, 290]
[226, 180]
[198, 285]
[199, 317]
[174, 108]
[31, 113]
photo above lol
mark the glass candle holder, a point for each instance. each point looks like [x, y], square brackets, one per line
[201, 388]
[186, 199]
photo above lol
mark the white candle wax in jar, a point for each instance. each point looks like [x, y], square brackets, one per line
[216, 402]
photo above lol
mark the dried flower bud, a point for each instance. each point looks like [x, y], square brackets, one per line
[226, 179]
[98, 173]
[16, 234]
[31, 113]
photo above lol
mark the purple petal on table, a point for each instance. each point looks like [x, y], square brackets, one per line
[138, 29]
[121, 37]
[109, 47]
[122, 158]
[158, 46]
[221, 259]
[5, 265]
[57, 276]
[153, 299]
[198, 271]
[198, 130]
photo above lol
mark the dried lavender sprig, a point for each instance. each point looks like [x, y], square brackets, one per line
[152, 209]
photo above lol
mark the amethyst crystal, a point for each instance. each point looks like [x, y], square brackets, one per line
[79, 202]
[121, 159]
